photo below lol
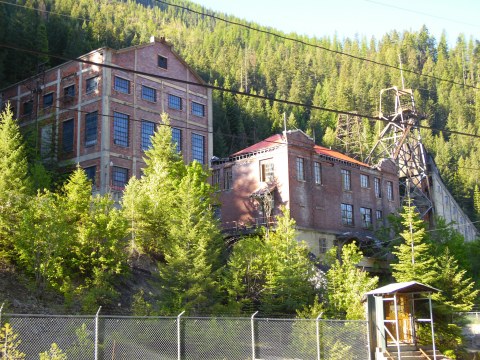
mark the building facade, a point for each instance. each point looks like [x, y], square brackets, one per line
[102, 116]
[446, 207]
[333, 198]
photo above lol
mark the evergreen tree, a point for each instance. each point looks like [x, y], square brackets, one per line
[171, 218]
[147, 201]
[458, 292]
[14, 182]
[346, 284]
[476, 202]
[97, 242]
[415, 260]
[192, 261]
[43, 239]
[288, 269]
[272, 273]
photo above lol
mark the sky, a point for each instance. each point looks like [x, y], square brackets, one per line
[357, 18]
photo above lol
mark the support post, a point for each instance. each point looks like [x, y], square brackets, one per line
[96, 333]
[179, 337]
[396, 326]
[253, 334]
[318, 334]
[431, 326]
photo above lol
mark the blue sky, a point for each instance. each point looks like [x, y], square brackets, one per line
[350, 18]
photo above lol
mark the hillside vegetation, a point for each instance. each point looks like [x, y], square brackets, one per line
[242, 58]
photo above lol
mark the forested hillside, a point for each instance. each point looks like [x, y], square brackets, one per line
[243, 58]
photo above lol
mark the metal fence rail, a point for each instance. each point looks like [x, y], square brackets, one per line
[174, 338]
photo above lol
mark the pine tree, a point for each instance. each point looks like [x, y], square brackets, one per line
[458, 292]
[415, 260]
[346, 284]
[147, 201]
[14, 182]
[288, 269]
[192, 261]
[171, 219]
[476, 201]
[42, 242]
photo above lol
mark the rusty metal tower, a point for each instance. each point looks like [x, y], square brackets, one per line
[400, 140]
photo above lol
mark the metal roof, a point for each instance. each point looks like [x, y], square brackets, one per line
[403, 288]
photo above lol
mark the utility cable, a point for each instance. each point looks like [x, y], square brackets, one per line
[284, 37]
[218, 88]
[421, 13]
[44, 11]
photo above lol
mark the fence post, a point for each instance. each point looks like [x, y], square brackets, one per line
[96, 334]
[179, 338]
[318, 334]
[253, 334]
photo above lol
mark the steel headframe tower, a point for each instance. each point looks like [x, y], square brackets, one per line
[400, 140]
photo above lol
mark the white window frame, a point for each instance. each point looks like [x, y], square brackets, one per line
[364, 181]
[317, 172]
[300, 165]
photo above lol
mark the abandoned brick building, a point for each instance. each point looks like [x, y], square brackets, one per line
[333, 198]
[102, 117]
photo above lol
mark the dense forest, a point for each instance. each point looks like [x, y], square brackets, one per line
[312, 71]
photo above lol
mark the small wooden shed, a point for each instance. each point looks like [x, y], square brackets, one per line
[392, 321]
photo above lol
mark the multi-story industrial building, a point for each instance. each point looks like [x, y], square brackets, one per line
[101, 114]
[333, 198]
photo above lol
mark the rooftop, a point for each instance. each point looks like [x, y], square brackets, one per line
[278, 140]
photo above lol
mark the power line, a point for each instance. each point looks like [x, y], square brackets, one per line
[236, 92]
[44, 11]
[279, 36]
[284, 37]
[422, 13]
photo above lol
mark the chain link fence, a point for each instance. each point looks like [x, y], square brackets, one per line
[147, 338]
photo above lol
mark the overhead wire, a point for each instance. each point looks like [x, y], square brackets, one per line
[284, 37]
[421, 13]
[44, 11]
[218, 88]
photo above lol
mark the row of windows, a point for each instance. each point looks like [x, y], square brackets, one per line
[121, 135]
[150, 94]
[68, 94]
[119, 176]
[227, 178]
[121, 85]
[346, 179]
[365, 183]
[317, 171]
[366, 216]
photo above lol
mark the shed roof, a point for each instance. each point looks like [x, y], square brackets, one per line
[403, 288]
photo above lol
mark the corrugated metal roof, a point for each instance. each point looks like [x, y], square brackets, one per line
[338, 155]
[403, 287]
[272, 141]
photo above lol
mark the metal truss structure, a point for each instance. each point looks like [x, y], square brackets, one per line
[400, 140]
